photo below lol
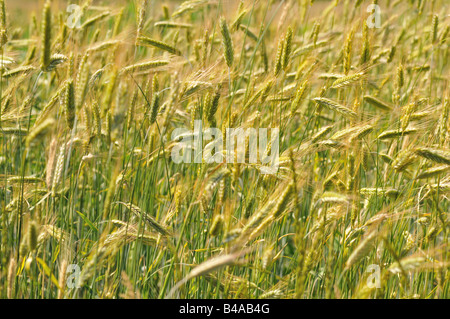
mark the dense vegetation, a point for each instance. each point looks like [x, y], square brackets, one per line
[358, 208]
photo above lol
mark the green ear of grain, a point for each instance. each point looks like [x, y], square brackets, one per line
[3, 26]
[46, 25]
[149, 42]
[227, 43]
[69, 104]
[287, 48]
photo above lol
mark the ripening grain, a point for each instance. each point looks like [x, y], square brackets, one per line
[90, 119]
